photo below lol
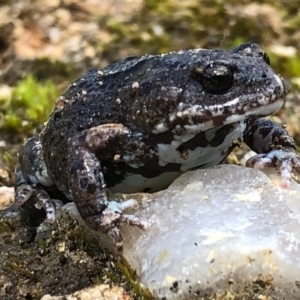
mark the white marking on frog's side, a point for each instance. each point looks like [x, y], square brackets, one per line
[159, 128]
[200, 156]
[133, 183]
[217, 110]
[233, 118]
[167, 153]
[196, 128]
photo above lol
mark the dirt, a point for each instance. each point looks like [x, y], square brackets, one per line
[37, 262]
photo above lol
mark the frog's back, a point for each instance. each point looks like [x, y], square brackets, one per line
[115, 93]
[131, 93]
[110, 95]
[140, 92]
[161, 98]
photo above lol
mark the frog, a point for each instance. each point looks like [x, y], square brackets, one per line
[138, 124]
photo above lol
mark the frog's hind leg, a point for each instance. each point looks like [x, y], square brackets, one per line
[32, 179]
[87, 183]
[26, 191]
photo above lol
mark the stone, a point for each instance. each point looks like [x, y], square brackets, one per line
[98, 292]
[218, 233]
[7, 197]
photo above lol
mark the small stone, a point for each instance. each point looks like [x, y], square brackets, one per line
[225, 231]
[99, 292]
[7, 197]
[5, 92]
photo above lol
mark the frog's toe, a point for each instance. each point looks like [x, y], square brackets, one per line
[113, 216]
[23, 193]
[49, 205]
[284, 162]
[131, 220]
[130, 203]
[134, 221]
[115, 234]
[41, 200]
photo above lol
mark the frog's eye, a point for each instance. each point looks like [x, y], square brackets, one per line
[216, 79]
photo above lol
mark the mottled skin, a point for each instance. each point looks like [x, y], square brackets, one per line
[138, 124]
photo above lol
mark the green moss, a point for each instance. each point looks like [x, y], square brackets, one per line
[124, 267]
[4, 227]
[118, 270]
[29, 105]
[16, 267]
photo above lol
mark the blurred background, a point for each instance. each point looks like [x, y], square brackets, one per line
[46, 44]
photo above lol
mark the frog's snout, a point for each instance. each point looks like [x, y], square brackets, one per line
[281, 84]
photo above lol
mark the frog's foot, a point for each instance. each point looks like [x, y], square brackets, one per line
[284, 161]
[113, 216]
[42, 200]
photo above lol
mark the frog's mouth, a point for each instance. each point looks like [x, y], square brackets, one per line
[201, 117]
[258, 107]
[257, 112]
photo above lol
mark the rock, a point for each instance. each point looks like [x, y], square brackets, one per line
[220, 233]
[99, 292]
[7, 197]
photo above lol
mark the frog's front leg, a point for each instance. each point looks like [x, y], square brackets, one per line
[275, 147]
[87, 182]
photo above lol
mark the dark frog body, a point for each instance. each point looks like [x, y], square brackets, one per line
[137, 125]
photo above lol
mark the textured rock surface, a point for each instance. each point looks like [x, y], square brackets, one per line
[228, 231]
[99, 292]
[7, 197]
